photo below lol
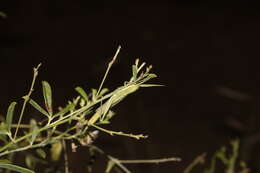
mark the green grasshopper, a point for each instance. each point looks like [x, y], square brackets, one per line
[120, 93]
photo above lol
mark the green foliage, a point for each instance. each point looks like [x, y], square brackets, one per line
[78, 124]
[13, 167]
[82, 93]
[228, 160]
[9, 116]
[38, 107]
[83, 113]
[47, 94]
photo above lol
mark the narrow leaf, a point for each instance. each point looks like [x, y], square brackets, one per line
[5, 161]
[134, 70]
[82, 102]
[82, 93]
[41, 153]
[47, 94]
[9, 116]
[94, 93]
[151, 85]
[109, 115]
[103, 122]
[38, 107]
[103, 91]
[141, 66]
[3, 129]
[137, 62]
[3, 138]
[34, 130]
[15, 168]
[110, 166]
[30, 163]
[150, 76]
[63, 111]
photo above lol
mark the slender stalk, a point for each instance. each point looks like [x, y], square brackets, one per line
[108, 68]
[157, 161]
[198, 160]
[66, 159]
[118, 133]
[114, 160]
[26, 99]
[25, 126]
[119, 164]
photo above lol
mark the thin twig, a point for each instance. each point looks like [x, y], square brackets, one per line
[198, 160]
[114, 160]
[26, 99]
[118, 133]
[119, 164]
[156, 161]
[108, 68]
[66, 158]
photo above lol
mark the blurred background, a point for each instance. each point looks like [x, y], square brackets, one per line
[205, 53]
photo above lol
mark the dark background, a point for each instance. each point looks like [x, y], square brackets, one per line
[206, 53]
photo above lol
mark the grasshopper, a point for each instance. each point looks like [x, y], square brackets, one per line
[119, 95]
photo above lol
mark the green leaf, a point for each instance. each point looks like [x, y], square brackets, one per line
[9, 116]
[141, 66]
[5, 161]
[151, 85]
[34, 130]
[109, 115]
[30, 163]
[41, 153]
[70, 106]
[15, 168]
[38, 107]
[137, 62]
[103, 122]
[3, 138]
[47, 94]
[3, 128]
[148, 77]
[82, 103]
[110, 166]
[82, 93]
[134, 70]
[94, 93]
[103, 91]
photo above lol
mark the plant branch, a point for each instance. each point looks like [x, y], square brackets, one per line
[118, 133]
[156, 161]
[198, 160]
[26, 99]
[108, 68]
[66, 159]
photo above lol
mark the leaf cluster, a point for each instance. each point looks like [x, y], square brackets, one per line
[75, 122]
